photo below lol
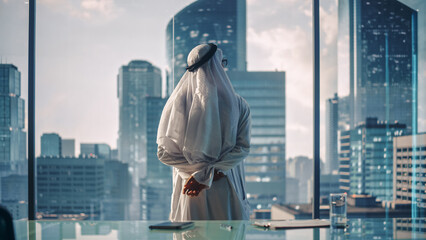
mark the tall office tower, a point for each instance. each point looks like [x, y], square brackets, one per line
[136, 81]
[371, 161]
[381, 39]
[12, 119]
[409, 176]
[51, 145]
[156, 187]
[99, 150]
[115, 205]
[331, 132]
[154, 107]
[344, 114]
[222, 22]
[265, 165]
[344, 160]
[68, 147]
[80, 190]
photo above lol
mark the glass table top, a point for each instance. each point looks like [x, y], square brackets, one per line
[367, 228]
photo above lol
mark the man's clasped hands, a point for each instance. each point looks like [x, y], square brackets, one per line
[193, 188]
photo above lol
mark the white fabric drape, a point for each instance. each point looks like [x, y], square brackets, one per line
[205, 126]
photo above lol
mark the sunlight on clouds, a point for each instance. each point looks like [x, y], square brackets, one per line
[105, 7]
[286, 50]
[91, 10]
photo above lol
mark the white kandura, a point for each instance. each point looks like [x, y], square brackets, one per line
[205, 126]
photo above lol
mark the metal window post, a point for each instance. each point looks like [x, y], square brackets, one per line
[31, 112]
[316, 97]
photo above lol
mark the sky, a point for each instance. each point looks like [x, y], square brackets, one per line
[81, 44]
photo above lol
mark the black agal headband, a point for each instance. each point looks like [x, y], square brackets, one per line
[204, 59]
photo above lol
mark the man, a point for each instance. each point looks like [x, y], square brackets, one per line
[204, 134]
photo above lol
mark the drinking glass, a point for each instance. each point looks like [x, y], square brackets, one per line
[338, 210]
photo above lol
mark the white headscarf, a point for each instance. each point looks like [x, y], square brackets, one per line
[200, 119]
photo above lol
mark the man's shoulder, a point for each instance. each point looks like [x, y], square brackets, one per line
[244, 106]
[242, 101]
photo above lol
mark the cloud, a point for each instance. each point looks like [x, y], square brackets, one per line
[285, 49]
[279, 37]
[88, 10]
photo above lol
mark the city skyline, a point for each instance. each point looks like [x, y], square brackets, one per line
[86, 77]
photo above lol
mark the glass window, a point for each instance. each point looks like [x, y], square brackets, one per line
[371, 101]
[13, 95]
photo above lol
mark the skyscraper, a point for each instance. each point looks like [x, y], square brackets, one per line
[383, 60]
[51, 145]
[222, 22]
[331, 132]
[265, 165]
[136, 81]
[12, 118]
[371, 161]
[156, 187]
[153, 108]
[68, 147]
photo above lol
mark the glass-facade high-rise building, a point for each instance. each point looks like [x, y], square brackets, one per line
[136, 81]
[371, 158]
[156, 187]
[12, 119]
[222, 22]
[383, 60]
[51, 145]
[331, 133]
[265, 165]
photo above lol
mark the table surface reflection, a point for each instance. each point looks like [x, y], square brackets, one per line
[367, 228]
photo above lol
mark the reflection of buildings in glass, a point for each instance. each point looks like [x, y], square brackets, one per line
[12, 119]
[331, 132]
[383, 60]
[222, 22]
[68, 147]
[265, 166]
[51, 145]
[409, 176]
[365, 228]
[156, 187]
[371, 161]
[409, 228]
[136, 81]
[70, 186]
